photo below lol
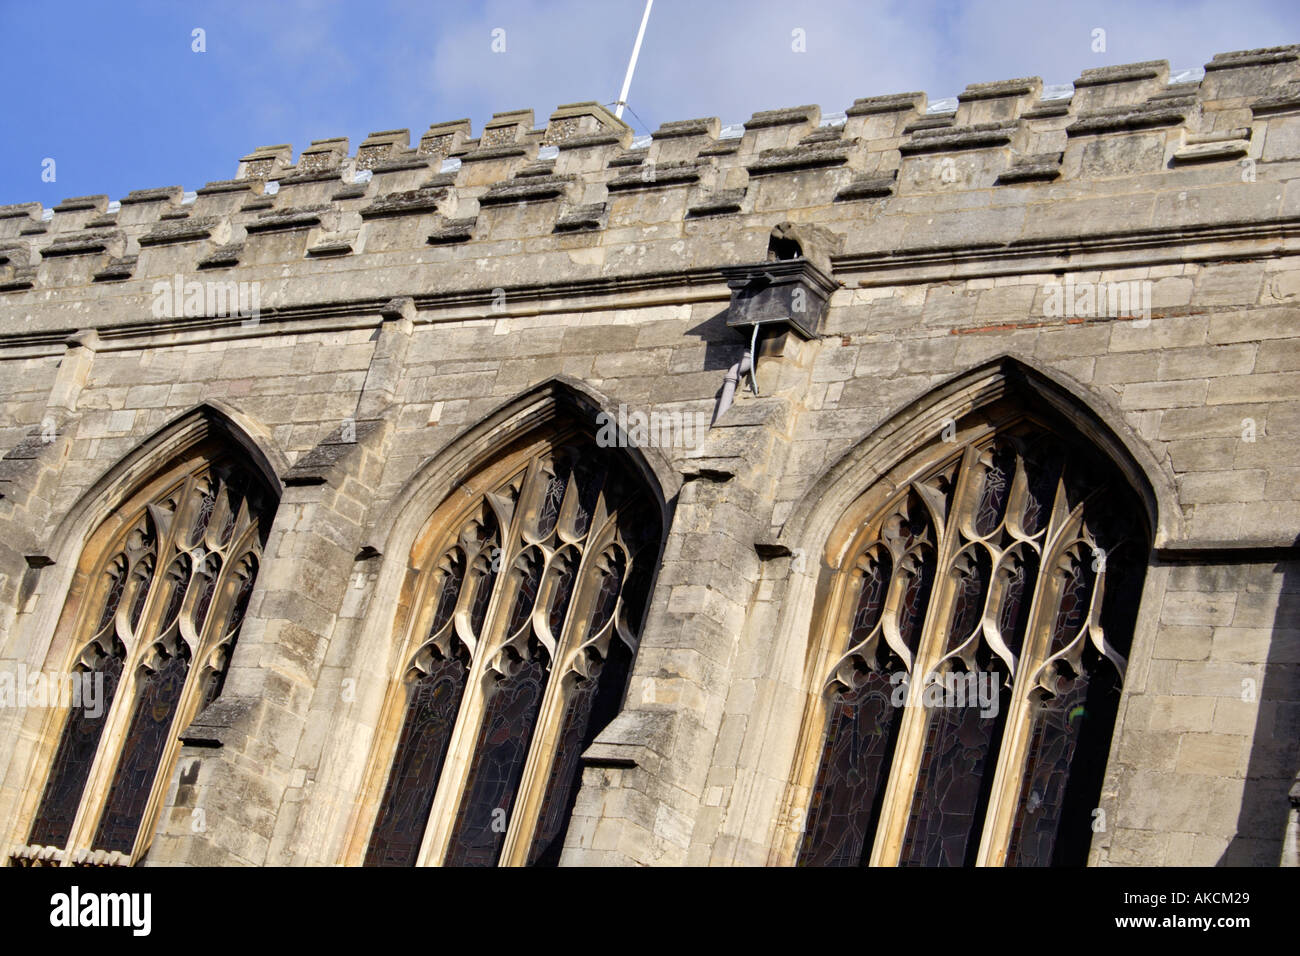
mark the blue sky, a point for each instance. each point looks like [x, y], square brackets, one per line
[112, 91]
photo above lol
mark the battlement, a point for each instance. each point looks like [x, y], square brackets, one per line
[517, 186]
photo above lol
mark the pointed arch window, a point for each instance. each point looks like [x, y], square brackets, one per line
[154, 613]
[529, 585]
[974, 643]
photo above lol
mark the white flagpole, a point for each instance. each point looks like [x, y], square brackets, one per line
[636, 50]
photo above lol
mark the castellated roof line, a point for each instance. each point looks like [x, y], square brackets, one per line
[583, 173]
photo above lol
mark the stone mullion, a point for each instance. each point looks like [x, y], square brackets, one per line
[900, 791]
[461, 747]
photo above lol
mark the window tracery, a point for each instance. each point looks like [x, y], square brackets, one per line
[528, 614]
[160, 643]
[983, 616]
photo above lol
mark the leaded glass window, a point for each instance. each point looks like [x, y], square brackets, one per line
[155, 614]
[523, 625]
[982, 619]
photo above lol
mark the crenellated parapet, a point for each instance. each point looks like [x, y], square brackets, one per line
[583, 180]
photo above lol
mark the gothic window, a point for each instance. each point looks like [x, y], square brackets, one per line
[520, 637]
[160, 596]
[975, 638]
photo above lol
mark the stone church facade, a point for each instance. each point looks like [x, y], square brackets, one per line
[909, 486]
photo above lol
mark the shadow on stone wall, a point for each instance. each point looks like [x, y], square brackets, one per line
[1275, 746]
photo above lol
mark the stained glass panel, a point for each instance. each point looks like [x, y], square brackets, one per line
[593, 703]
[146, 741]
[209, 588]
[448, 592]
[432, 703]
[216, 680]
[953, 785]
[606, 602]
[1056, 723]
[1072, 610]
[1042, 463]
[484, 582]
[117, 584]
[499, 755]
[871, 595]
[995, 487]
[562, 594]
[76, 753]
[144, 579]
[1013, 615]
[916, 600]
[959, 750]
[203, 514]
[553, 496]
[846, 801]
[529, 578]
[968, 602]
[590, 478]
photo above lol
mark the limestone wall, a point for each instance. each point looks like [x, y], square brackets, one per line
[420, 303]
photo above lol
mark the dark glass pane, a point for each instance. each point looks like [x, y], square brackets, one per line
[529, 579]
[552, 498]
[499, 756]
[968, 602]
[71, 768]
[562, 595]
[177, 582]
[953, 786]
[916, 600]
[1042, 470]
[146, 740]
[484, 583]
[205, 600]
[236, 485]
[145, 575]
[1071, 735]
[845, 805]
[593, 703]
[448, 593]
[994, 489]
[1013, 616]
[606, 602]
[203, 515]
[216, 680]
[590, 478]
[432, 703]
[913, 523]
[1052, 748]
[1076, 593]
[871, 597]
[239, 607]
[114, 597]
